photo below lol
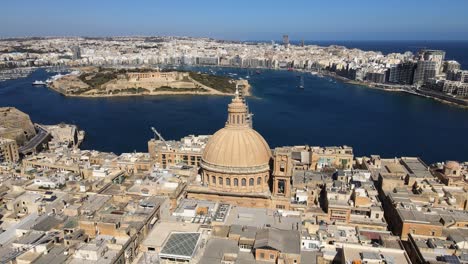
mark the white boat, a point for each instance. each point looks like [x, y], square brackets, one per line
[38, 83]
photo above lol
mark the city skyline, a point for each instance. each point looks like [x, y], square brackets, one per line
[229, 132]
[242, 20]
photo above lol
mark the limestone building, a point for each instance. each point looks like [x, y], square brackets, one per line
[235, 166]
[16, 125]
[8, 150]
[187, 151]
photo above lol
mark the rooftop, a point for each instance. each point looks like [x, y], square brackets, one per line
[180, 245]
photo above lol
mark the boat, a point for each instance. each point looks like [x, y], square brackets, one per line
[258, 72]
[38, 83]
[301, 84]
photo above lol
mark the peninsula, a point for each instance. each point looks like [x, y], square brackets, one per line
[427, 73]
[109, 82]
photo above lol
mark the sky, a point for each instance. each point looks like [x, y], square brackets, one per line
[240, 19]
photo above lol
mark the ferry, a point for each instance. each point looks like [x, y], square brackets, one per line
[38, 83]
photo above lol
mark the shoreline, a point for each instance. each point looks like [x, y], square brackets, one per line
[138, 95]
[391, 88]
[433, 95]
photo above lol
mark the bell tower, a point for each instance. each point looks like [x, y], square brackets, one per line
[282, 176]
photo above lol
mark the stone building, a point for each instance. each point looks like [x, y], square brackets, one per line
[451, 174]
[187, 151]
[8, 150]
[156, 76]
[331, 157]
[16, 125]
[235, 166]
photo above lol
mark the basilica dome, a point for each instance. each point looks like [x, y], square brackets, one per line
[236, 158]
[237, 147]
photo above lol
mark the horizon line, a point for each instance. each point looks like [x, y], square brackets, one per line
[224, 39]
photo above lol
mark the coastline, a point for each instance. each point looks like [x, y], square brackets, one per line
[247, 91]
[140, 94]
[400, 89]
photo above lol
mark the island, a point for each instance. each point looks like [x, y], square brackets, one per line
[109, 82]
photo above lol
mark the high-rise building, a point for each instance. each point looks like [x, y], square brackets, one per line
[286, 40]
[436, 56]
[76, 51]
[451, 66]
[459, 76]
[425, 70]
[402, 73]
[8, 150]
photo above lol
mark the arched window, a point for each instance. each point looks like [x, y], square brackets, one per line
[244, 182]
[213, 179]
[238, 120]
[228, 182]
[251, 182]
[236, 182]
[259, 180]
[220, 181]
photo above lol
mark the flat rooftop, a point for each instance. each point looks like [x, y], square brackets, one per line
[180, 245]
[162, 230]
[261, 218]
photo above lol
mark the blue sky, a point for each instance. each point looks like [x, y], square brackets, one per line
[240, 19]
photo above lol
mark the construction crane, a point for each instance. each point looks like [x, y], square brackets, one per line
[157, 134]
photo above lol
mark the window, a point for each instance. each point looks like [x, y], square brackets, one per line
[282, 167]
[259, 180]
[244, 182]
[432, 233]
[281, 186]
[262, 255]
[272, 256]
[377, 215]
[228, 182]
[220, 181]
[213, 179]
[251, 182]
[236, 182]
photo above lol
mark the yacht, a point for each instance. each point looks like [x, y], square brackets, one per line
[38, 83]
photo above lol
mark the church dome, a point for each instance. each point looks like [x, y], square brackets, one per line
[233, 147]
[452, 165]
[237, 145]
